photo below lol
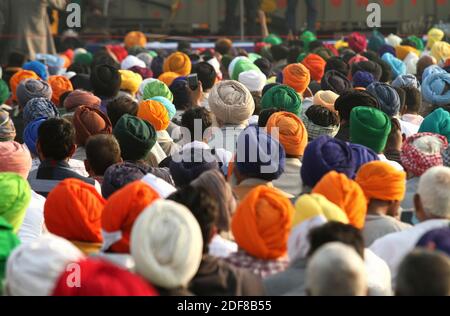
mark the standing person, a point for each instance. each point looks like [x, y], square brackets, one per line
[28, 22]
[251, 8]
[291, 16]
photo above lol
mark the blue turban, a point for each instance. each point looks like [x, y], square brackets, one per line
[398, 67]
[387, 49]
[432, 70]
[54, 63]
[362, 155]
[259, 156]
[363, 79]
[39, 107]
[168, 105]
[404, 81]
[38, 68]
[437, 122]
[189, 164]
[326, 154]
[435, 89]
[30, 134]
[387, 97]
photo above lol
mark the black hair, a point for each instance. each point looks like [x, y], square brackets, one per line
[322, 116]
[102, 151]
[119, 107]
[338, 64]
[223, 46]
[402, 94]
[265, 115]
[79, 68]
[190, 116]
[336, 232]
[203, 206]
[413, 99]
[56, 138]
[352, 99]
[265, 66]
[279, 52]
[294, 52]
[206, 74]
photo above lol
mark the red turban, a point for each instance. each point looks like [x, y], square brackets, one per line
[357, 42]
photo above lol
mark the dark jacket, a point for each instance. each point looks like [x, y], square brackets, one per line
[290, 282]
[216, 277]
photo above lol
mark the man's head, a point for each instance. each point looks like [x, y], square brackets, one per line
[206, 75]
[424, 273]
[194, 117]
[102, 151]
[204, 208]
[336, 270]
[413, 100]
[432, 199]
[336, 232]
[120, 106]
[56, 140]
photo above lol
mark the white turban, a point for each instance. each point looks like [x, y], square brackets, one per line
[233, 64]
[231, 102]
[216, 65]
[254, 80]
[394, 40]
[132, 61]
[167, 245]
[411, 61]
[34, 268]
[163, 188]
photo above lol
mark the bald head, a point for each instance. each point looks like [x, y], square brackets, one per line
[336, 270]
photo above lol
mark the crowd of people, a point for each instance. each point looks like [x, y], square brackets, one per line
[299, 168]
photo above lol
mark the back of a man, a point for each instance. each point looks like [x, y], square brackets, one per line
[432, 205]
[55, 146]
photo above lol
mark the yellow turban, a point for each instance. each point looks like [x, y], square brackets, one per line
[179, 63]
[434, 35]
[381, 181]
[155, 113]
[441, 51]
[130, 81]
[341, 44]
[312, 205]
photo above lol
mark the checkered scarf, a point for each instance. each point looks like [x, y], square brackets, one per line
[315, 131]
[418, 162]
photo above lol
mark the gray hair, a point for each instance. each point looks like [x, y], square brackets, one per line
[433, 189]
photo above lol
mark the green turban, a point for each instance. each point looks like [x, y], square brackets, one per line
[273, 40]
[307, 38]
[254, 57]
[418, 42]
[370, 127]
[84, 59]
[376, 41]
[242, 66]
[15, 196]
[156, 88]
[136, 137]
[282, 97]
[4, 92]
[8, 241]
[437, 122]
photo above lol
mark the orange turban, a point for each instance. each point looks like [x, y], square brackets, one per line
[381, 181]
[179, 63]
[168, 78]
[402, 51]
[135, 38]
[292, 132]
[120, 213]
[316, 66]
[89, 121]
[60, 85]
[18, 78]
[346, 194]
[155, 113]
[262, 223]
[67, 61]
[297, 77]
[73, 210]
